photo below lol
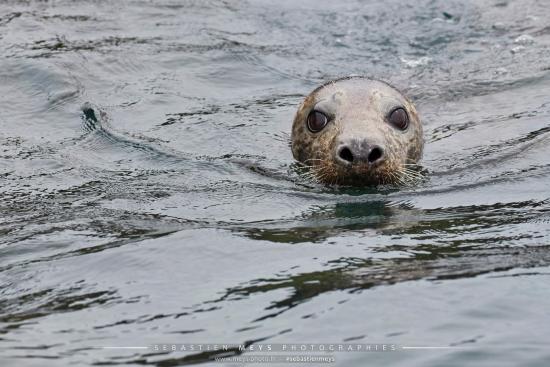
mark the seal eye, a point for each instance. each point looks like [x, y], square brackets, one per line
[399, 118]
[316, 121]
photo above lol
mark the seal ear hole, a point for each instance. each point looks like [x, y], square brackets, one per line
[399, 118]
[346, 154]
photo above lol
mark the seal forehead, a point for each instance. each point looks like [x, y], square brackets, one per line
[358, 90]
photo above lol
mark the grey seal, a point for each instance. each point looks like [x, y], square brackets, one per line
[358, 131]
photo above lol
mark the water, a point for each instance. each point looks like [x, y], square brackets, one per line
[178, 217]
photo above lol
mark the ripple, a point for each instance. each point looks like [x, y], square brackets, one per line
[169, 207]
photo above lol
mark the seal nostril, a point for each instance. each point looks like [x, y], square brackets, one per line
[374, 155]
[346, 154]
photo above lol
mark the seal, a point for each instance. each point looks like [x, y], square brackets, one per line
[358, 131]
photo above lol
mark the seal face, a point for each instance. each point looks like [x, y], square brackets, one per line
[357, 131]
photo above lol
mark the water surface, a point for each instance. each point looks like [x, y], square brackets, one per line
[172, 213]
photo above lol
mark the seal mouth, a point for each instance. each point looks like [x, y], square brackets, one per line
[363, 174]
[388, 172]
[351, 174]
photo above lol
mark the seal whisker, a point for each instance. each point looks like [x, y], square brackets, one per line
[409, 176]
[413, 173]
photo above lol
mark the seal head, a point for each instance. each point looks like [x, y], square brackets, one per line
[357, 131]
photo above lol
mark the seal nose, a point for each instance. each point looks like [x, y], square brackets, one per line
[355, 151]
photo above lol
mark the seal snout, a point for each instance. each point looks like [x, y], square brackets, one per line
[359, 151]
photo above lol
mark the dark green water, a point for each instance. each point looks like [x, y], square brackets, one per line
[177, 216]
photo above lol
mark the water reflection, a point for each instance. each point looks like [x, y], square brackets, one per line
[324, 222]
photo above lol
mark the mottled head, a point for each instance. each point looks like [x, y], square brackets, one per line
[357, 131]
